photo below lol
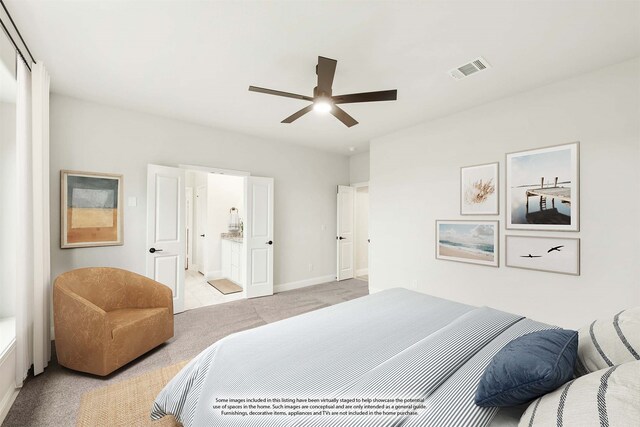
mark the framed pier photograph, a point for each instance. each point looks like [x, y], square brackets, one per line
[543, 190]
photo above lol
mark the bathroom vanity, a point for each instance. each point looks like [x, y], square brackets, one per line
[231, 254]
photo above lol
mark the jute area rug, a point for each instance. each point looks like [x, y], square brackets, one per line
[127, 403]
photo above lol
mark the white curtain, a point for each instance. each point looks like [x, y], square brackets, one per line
[24, 244]
[41, 229]
[33, 281]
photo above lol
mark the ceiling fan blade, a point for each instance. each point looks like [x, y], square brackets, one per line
[279, 93]
[297, 115]
[342, 115]
[325, 70]
[383, 95]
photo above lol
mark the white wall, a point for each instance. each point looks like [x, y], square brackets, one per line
[91, 137]
[224, 192]
[415, 180]
[359, 168]
[362, 230]
[8, 219]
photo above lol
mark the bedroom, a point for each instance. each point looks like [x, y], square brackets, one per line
[139, 83]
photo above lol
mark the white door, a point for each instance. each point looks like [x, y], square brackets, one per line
[201, 226]
[345, 234]
[166, 229]
[189, 235]
[258, 236]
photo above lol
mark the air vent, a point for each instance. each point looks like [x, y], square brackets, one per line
[472, 67]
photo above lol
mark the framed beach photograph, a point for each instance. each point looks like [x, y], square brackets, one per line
[91, 209]
[479, 189]
[550, 254]
[474, 242]
[543, 189]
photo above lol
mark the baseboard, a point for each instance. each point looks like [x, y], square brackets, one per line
[303, 283]
[362, 272]
[7, 402]
[8, 361]
[213, 275]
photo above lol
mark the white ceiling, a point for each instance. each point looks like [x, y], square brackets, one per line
[193, 60]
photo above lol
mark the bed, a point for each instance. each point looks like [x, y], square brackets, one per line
[389, 345]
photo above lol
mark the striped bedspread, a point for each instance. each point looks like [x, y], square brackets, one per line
[395, 344]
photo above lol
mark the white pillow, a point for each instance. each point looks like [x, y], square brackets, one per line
[609, 397]
[609, 342]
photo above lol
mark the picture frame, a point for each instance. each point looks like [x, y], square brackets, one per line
[549, 254]
[480, 189]
[543, 188]
[473, 242]
[91, 209]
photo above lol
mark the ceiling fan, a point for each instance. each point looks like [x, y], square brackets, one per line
[323, 99]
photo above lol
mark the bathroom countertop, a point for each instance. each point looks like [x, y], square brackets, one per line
[234, 237]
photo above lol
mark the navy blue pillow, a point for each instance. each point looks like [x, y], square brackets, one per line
[528, 367]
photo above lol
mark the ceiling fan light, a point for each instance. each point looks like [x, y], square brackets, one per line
[322, 106]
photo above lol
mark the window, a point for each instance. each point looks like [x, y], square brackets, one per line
[8, 190]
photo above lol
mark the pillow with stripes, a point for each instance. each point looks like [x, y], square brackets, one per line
[609, 342]
[608, 397]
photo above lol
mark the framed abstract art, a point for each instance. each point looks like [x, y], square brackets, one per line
[91, 209]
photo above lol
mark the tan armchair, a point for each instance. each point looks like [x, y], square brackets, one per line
[106, 317]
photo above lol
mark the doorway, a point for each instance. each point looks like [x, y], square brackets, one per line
[199, 219]
[240, 256]
[352, 236]
[215, 276]
[361, 226]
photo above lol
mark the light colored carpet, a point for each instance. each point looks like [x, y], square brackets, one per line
[53, 399]
[225, 286]
[127, 403]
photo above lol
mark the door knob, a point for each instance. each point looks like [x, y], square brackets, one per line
[202, 235]
[270, 242]
[341, 238]
[154, 250]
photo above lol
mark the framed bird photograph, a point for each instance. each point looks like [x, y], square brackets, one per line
[550, 254]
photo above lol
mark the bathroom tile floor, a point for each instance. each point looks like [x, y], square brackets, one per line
[198, 293]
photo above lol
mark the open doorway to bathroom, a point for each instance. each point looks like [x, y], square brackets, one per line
[214, 209]
[242, 254]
